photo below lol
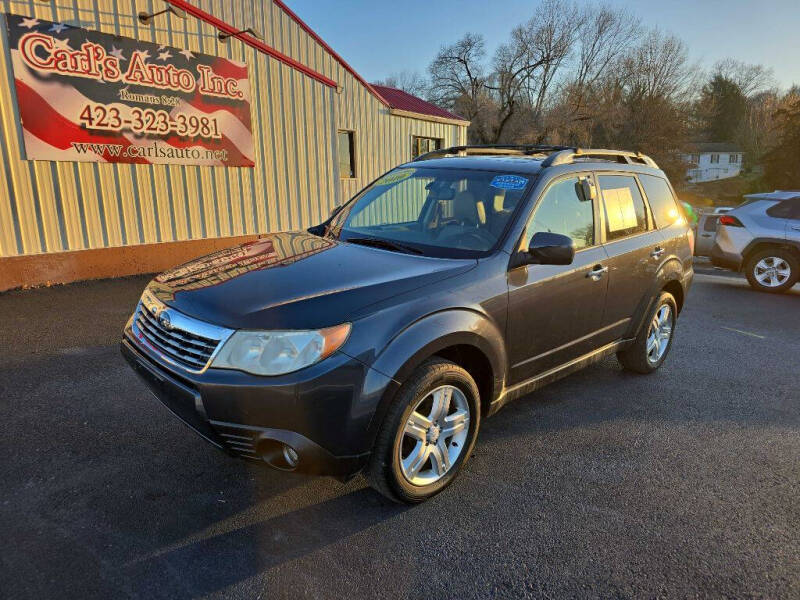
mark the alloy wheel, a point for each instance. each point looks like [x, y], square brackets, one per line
[434, 435]
[772, 271]
[659, 334]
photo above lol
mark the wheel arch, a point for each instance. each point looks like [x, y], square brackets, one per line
[761, 244]
[467, 338]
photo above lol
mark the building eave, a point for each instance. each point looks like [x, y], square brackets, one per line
[423, 117]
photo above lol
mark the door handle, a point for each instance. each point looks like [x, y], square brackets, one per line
[597, 272]
[705, 235]
[657, 251]
[796, 227]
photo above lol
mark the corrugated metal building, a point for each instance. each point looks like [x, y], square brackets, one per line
[320, 133]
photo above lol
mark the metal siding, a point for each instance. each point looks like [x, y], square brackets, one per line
[58, 206]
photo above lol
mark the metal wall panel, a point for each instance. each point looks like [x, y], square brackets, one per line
[58, 206]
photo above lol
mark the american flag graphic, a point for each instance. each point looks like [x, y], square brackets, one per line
[126, 122]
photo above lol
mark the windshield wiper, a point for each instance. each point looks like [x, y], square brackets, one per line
[385, 244]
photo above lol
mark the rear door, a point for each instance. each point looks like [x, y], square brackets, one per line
[635, 249]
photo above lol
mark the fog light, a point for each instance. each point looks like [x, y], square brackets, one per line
[290, 456]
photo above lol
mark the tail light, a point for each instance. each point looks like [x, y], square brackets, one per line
[730, 221]
[690, 235]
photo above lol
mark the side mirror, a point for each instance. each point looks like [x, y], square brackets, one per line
[588, 189]
[550, 249]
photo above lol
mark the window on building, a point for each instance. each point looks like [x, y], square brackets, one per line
[733, 159]
[346, 154]
[421, 145]
[662, 202]
[715, 158]
[694, 158]
[563, 210]
[624, 206]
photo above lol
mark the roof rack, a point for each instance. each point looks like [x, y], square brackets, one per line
[494, 149]
[569, 156]
[558, 155]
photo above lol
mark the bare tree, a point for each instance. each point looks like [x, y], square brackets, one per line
[659, 67]
[457, 74]
[525, 67]
[408, 81]
[751, 79]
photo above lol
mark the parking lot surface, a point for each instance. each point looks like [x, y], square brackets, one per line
[609, 484]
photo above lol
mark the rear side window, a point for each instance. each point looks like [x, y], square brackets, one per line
[786, 209]
[624, 206]
[662, 202]
[710, 223]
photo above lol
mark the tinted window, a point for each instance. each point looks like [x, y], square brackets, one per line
[563, 210]
[662, 202]
[710, 223]
[624, 206]
[785, 209]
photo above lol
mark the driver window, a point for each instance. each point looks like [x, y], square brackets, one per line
[563, 210]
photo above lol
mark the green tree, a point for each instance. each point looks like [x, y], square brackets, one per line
[781, 164]
[721, 109]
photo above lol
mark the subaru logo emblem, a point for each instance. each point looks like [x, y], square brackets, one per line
[165, 321]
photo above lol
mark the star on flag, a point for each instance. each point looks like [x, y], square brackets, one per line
[165, 55]
[117, 53]
[63, 44]
[29, 23]
[187, 53]
[58, 27]
[144, 54]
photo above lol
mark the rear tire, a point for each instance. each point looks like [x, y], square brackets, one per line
[654, 341]
[773, 270]
[427, 434]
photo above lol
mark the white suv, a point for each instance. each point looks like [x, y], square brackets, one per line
[762, 238]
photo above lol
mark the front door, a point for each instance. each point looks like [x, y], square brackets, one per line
[555, 311]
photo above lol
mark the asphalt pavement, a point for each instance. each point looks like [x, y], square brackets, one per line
[604, 484]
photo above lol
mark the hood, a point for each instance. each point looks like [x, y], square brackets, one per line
[295, 280]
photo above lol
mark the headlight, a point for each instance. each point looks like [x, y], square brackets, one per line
[279, 352]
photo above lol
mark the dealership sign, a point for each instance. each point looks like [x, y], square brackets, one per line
[90, 96]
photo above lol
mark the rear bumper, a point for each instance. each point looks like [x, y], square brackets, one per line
[725, 260]
[246, 417]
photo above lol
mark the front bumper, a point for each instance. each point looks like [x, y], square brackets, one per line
[725, 260]
[322, 412]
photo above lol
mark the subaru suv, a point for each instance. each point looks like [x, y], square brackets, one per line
[762, 238]
[380, 339]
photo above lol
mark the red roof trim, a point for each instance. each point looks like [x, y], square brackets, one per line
[330, 50]
[402, 100]
[251, 41]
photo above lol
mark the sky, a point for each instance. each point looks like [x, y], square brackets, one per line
[381, 37]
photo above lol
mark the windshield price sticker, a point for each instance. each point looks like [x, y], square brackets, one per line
[509, 182]
[395, 176]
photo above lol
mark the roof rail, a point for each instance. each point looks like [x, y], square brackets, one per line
[511, 149]
[568, 156]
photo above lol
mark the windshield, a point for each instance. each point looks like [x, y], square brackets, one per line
[433, 211]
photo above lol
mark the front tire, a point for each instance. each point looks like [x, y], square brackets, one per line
[427, 434]
[773, 270]
[654, 341]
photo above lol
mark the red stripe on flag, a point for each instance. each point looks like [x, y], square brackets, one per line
[53, 128]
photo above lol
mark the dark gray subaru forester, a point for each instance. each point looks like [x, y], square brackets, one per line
[453, 284]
